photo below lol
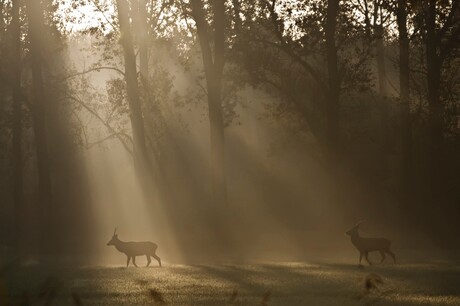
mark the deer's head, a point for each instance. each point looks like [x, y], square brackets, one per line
[114, 239]
[354, 229]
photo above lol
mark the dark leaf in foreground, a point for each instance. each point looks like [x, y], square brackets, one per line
[233, 296]
[157, 296]
[48, 289]
[76, 299]
[265, 298]
[372, 281]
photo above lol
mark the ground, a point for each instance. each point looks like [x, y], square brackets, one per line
[235, 284]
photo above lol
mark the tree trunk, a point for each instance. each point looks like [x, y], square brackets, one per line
[140, 26]
[213, 70]
[384, 107]
[143, 44]
[436, 108]
[34, 11]
[333, 103]
[17, 123]
[2, 22]
[237, 17]
[380, 54]
[404, 89]
[141, 158]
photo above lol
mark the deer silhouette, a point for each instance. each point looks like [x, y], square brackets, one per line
[133, 249]
[366, 245]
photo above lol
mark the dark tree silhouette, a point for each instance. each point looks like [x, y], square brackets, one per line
[35, 11]
[404, 96]
[213, 63]
[140, 152]
[17, 118]
[439, 41]
[333, 95]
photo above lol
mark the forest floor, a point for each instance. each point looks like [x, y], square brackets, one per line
[235, 284]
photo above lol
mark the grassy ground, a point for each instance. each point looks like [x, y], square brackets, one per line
[255, 284]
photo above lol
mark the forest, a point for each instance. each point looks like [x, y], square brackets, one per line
[249, 140]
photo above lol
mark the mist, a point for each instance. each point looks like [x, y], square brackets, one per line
[243, 144]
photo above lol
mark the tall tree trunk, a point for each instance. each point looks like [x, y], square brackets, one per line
[17, 122]
[34, 11]
[143, 44]
[384, 107]
[333, 105]
[237, 18]
[2, 22]
[380, 55]
[140, 27]
[141, 158]
[436, 108]
[213, 67]
[404, 89]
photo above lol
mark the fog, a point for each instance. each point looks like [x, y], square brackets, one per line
[228, 134]
[284, 201]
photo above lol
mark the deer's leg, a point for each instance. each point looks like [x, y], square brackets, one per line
[392, 255]
[383, 256]
[157, 258]
[127, 263]
[360, 257]
[134, 261]
[366, 256]
[148, 260]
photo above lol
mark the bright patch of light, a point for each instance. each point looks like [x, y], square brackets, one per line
[87, 14]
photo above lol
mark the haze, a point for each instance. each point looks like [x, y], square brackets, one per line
[242, 137]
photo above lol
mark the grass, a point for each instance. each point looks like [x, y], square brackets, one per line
[236, 284]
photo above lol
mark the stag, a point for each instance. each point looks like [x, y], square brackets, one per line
[366, 245]
[133, 249]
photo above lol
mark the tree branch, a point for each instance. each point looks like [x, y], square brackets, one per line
[97, 69]
[108, 126]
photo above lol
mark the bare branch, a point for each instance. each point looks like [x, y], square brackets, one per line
[95, 69]
[121, 136]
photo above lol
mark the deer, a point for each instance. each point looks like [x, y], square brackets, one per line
[133, 249]
[366, 245]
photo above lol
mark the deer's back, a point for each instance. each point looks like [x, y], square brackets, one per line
[372, 244]
[140, 248]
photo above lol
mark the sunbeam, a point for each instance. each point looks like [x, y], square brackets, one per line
[228, 152]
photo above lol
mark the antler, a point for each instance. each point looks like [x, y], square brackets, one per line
[115, 231]
[359, 223]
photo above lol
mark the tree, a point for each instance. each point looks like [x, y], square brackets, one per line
[213, 63]
[404, 96]
[333, 95]
[141, 157]
[35, 11]
[17, 117]
[376, 18]
[440, 40]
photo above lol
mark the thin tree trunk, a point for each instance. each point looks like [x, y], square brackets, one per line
[34, 10]
[2, 22]
[237, 17]
[140, 152]
[17, 123]
[404, 89]
[333, 105]
[384, 107]
[213, 70]
[380, 54]
[143, 44]
[436, 108]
